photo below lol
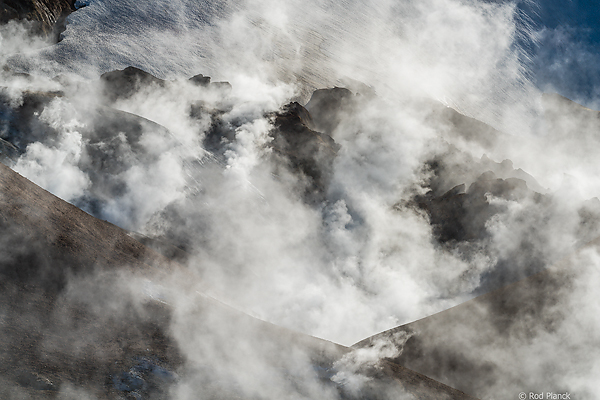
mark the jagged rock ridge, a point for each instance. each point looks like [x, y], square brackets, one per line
[48, 16]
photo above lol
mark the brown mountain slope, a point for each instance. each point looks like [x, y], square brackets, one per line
[70, 312]
[472, 345]
[63, 233]
[538, 334]
[75, 320]
[50, 333]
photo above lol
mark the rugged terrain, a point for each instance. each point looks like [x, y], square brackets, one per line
[90, 308]
[63, 333]
[46, 17]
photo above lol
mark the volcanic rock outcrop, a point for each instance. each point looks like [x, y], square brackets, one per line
[122, 84]
[72, 321]
[48, 16]
[87, 306]
[308, 152]
[473, 345]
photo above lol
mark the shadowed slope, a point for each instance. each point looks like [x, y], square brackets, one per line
[471, 345]
[62, 232]
[56, 263]
[86, 308]
[73, 311]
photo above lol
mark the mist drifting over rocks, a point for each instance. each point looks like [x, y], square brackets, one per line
[254, 186]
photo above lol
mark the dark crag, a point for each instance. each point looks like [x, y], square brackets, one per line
[47, 17]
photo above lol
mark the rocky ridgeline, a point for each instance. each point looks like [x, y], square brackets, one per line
[463, 195]
[47, 17]
[136, 356]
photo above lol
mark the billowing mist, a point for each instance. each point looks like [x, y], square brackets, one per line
[357, 224]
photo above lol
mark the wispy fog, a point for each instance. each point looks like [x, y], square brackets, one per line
[342, 253]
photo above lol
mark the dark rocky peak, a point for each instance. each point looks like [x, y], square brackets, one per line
[293, 135]
[122, 84]
[460, 215]
[200, 80]
[465, 222]
[328, 107]
[47, 17]
[223, 87]
[296, 145]
[461, 218]
[294, 114]
[505, 170]
[509, 189]
[308, 152]
[452, 166]
[204, 81]
[455, 191]
[487, 176]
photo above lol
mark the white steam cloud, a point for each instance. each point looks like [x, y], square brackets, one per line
[362, 260]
